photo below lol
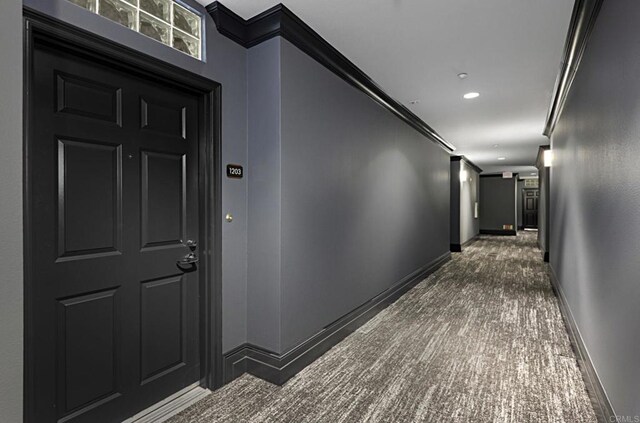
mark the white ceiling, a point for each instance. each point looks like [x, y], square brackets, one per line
[414, 50]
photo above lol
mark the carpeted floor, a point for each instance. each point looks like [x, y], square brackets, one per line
[481, 340]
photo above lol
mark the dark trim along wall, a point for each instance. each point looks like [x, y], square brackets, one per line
[498, 232]
[277, 368]
[280, 21]
[467, 161]
[601, 405]
[457, 248]
[583, 18]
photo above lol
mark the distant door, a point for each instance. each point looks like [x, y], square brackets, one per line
[530, 208]
[114, 186]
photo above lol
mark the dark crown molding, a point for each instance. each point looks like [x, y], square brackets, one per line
[583, 19]
[467, 161]
[280, 21]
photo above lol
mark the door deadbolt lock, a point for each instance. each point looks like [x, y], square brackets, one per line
[192, 244]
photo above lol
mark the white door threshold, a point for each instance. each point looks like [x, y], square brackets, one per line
[171, 405]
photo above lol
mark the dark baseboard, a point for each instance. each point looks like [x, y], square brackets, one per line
[521, 228]
[498, 232]
[601, 404]
[545, 254]
[457, 248]
[278, 368]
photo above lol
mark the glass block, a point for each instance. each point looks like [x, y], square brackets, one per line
[87, 4]
[154, 28]
[118, 11]
[158, 8]
[186, 44]
[185, 20]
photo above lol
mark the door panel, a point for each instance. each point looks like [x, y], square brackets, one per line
[163, 331]
[72, 92]
[88, 348]
[163, 198]
[89, 198]
[114, 189]
[163, 118]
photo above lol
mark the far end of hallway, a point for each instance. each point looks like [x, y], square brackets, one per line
[480, 340]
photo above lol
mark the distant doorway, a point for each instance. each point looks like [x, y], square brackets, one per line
[530, 198]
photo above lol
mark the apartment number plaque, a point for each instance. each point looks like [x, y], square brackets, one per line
[234, 171]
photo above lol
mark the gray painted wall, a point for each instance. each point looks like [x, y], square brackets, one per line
[365, 198]
[469, 194]
[595, 223]
[464, 194]
[11, 292]
[225, 63]
[497, 202]
[263, 320]
[345, 200]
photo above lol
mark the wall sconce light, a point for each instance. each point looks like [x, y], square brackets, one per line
[463, 175]
[548, 158]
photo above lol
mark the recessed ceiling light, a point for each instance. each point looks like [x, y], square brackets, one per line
[463, 75]
[414, 102]
[502, 158]
[469, 96]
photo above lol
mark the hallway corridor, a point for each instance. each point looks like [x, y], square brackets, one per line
[481, 340]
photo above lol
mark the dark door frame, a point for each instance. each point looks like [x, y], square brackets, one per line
[524, 202]
[39, 28]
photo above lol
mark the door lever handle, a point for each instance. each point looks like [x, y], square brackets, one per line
[190, 258]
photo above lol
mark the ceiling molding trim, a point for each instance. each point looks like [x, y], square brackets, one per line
[583, 17]
[280, 21]
[467, 161]
[228, 23]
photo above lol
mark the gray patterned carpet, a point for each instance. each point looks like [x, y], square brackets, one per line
[481, 340]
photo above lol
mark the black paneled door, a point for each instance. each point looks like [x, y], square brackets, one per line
[530, 199]
[115, 204]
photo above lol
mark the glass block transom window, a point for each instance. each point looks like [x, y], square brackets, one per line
[163, 20]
